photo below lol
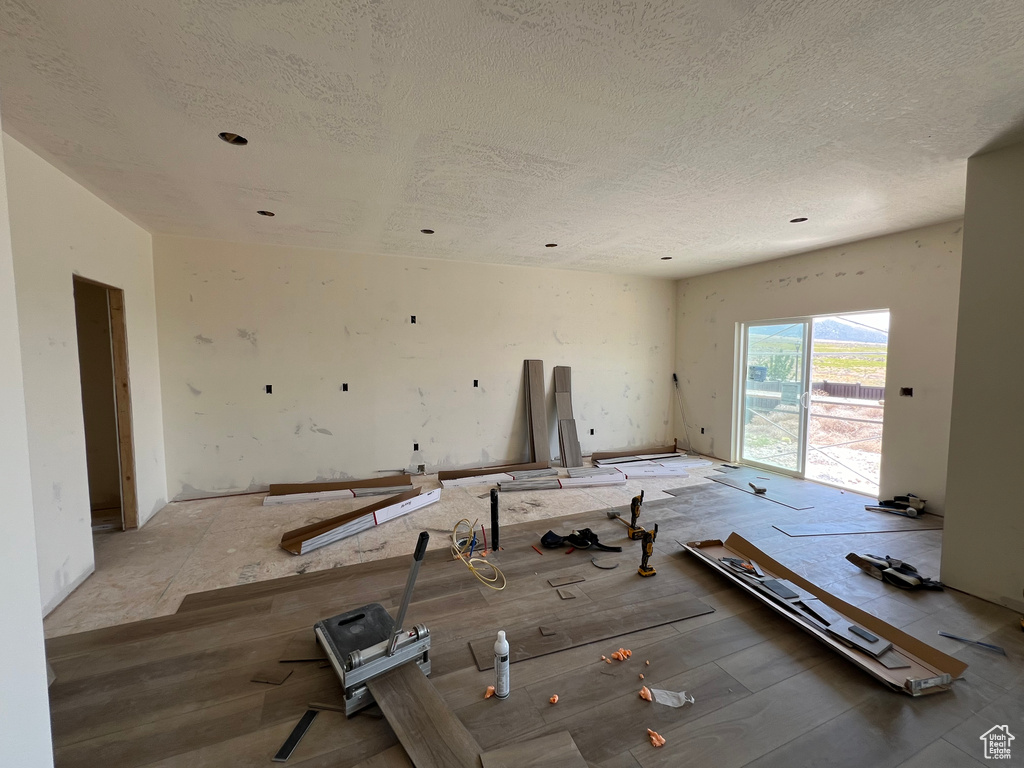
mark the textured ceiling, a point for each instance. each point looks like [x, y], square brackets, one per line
[625, 132]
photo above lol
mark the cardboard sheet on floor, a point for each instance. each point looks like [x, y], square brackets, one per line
[740, 478]
[929, 671]
[849, 529]
[525, 642]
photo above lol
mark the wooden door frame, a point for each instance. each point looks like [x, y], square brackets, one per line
[122, 401]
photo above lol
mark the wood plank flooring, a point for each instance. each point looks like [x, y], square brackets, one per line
[177, 690]
[432, 736]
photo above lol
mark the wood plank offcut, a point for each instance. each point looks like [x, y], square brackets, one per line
[429, 731]
[538, 412]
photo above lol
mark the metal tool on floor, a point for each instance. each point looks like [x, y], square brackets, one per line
[366, 642]
[634, 531]
[646, 569]
[988, 646]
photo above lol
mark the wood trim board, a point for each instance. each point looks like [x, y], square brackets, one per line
[597, 456]
[570, 442]
[563, 405]
[304, 540]
[287, 489]
[457, 474]
[460, 482]
[345, 493]
[123, 407]
[537, 413]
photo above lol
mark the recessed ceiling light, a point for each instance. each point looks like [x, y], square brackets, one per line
[798, 219]
[233, 138]
[266, 213]
[550, 245]
[666, 258]
[427, 231]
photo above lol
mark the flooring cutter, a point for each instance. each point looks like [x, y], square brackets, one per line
[366, 642]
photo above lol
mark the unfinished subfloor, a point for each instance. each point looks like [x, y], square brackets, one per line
[177, 691]
[192, 546]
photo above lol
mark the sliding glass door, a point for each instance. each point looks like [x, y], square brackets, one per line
[775, 396]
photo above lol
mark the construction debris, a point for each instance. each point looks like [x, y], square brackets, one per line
[671, 698]
[657, 740]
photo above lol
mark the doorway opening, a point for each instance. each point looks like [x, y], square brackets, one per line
[106, 404]
[812, 399]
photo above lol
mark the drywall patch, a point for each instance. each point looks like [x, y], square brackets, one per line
[249, 336]
[319, 430]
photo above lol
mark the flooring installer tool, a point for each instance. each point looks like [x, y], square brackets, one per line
[366, 642]
[646, 569]
[633, 530]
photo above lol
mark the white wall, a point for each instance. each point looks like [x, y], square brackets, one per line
[235, 317]
[984, 537]
[913, 274]
[59, 229]
[24, 707]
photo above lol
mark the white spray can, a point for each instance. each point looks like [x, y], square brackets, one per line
[501, 684]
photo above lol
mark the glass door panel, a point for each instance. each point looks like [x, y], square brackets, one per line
[774, 414]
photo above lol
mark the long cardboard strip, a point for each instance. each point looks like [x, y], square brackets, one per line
[310, 537]
[929, 671]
